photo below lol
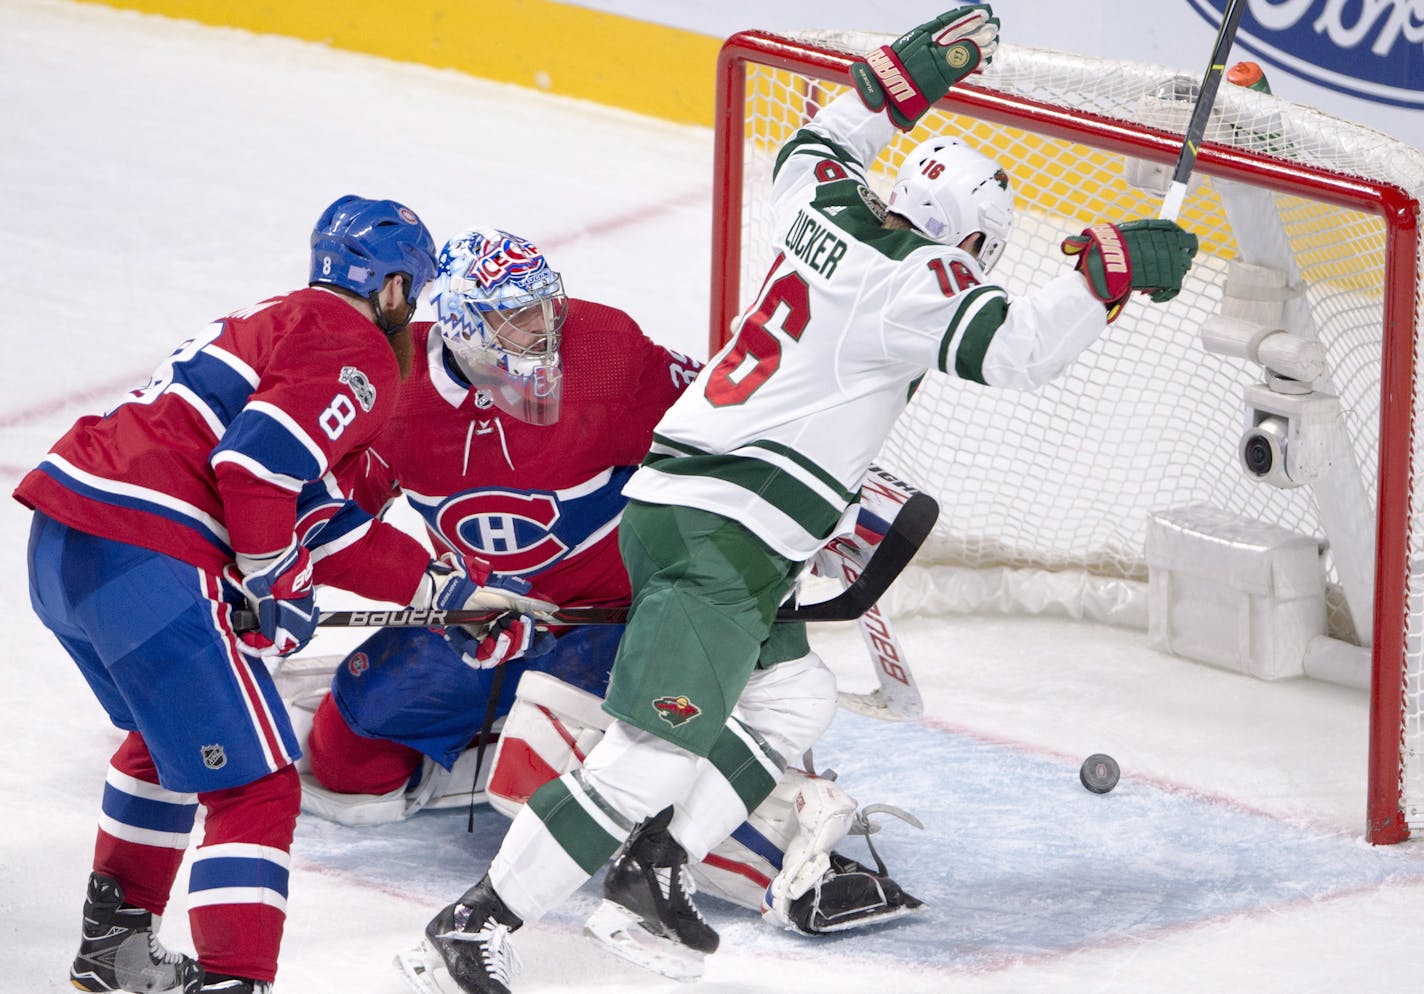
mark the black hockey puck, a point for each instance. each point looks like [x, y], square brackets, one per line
[1099, 773]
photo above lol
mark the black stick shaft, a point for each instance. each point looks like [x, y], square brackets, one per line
[907, 533]
[1201, 111]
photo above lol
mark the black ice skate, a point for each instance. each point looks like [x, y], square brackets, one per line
[467, 948]
[228, 984]
[119, 948]
[647, 916]
[848, 896]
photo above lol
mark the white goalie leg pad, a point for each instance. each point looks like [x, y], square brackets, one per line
[771, 863]
[824, 814]
[896, 696]
[742, 866]
[550, 730]
[458, 787]
[301, 682]
[436, 787]
[355, 810]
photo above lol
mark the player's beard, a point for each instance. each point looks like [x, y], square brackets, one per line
[402, 344]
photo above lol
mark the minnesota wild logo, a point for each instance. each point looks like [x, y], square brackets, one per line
[676, 710]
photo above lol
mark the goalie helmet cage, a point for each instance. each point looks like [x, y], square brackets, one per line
[1061, 481]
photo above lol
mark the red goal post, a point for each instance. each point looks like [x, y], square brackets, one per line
[1061, 482]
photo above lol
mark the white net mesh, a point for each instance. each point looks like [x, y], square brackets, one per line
[1064, 479]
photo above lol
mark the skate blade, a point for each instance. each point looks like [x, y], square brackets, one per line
[424, 970]
[866, 921]
[623, 934]
[91, 984]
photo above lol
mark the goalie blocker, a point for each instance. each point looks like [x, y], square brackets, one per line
[780, 862]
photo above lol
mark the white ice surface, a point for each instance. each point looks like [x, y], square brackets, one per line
[156, 175]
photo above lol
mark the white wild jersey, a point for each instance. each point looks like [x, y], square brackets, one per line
[779, 428]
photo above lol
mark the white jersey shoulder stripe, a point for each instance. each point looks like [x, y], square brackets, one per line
[131, 494]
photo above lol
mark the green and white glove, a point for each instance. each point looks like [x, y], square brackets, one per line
[916, 69]
[1149, 255]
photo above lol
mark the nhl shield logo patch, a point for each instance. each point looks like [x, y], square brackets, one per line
[676, 710]
[214, 758]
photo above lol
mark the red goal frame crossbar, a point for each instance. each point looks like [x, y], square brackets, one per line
[1384, 820]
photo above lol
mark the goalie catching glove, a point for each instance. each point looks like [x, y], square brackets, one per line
[916, 69]
[465, 583]
[455, 583]
[1149, 255]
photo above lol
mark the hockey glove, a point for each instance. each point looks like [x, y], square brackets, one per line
[465, 583]
[512, 636]
[916, 69]
[1149, 255]
[279, 588]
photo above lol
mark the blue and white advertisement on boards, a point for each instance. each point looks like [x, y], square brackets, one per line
[1362, 60]
[1370, 50]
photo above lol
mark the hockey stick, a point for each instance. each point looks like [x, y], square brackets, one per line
[907, 533]
[896, 696]
[1201, 111]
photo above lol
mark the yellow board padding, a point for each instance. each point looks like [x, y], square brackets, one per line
[558, 48]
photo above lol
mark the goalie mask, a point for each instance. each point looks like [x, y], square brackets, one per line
[500, 309]
[948, 191]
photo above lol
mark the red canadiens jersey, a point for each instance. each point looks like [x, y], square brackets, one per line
[217, 450]
[541, 502]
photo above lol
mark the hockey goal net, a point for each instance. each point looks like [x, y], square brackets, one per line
[1061, 483]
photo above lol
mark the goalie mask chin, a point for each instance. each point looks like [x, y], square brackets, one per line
[501, 311]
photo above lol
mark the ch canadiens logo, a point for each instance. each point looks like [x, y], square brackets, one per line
[1373, 50]
[513, 530]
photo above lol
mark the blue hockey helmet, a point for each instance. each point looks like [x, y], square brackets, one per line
[357, 243]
